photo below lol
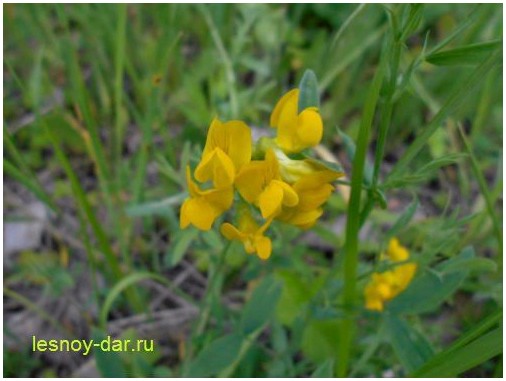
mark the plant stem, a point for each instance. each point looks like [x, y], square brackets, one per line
[206, 308]
[386, 117]
[352, 224]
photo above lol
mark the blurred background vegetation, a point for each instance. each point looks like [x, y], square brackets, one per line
[104, 105]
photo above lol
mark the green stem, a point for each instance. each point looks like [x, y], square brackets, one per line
[206, 308]
[386, 117]
[353, 224]
[204, 317]
[118, 86]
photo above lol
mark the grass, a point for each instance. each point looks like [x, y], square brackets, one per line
[104, 107]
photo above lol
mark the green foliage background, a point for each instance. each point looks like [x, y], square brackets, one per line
[104, 105]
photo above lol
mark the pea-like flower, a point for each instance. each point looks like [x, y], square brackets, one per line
[227, 149]
[204, 206]
[250, 233]
[313, 191]
[387, 285]
[260, 183]
[296, 129]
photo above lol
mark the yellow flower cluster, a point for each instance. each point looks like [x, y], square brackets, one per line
[387, 285]
[279, 187]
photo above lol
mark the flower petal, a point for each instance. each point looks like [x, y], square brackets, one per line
[290, 197]
[238, 143]
[200, 213]
[193, 188]
[309, 128]
[233, 138]
[270, 199]
[216, 137]
[263, 246]
[396, 252]
[301, 219]
[184, 218]
[251, 180]
[216, 166]
[230, 232]
[220, 199]
[287, 102]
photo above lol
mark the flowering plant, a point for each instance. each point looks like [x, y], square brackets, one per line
[270, 184]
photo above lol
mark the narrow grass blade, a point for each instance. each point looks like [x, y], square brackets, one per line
[84, 204]
[465, 55]
[31, 185]
[451, 363]
[35, 308]
[118, 84]
[129, 281]
[345, 24]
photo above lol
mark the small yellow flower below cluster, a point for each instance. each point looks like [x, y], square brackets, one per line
[279, 187]
[250, 234]
[387, 285]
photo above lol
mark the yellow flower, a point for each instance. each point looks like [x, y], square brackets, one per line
[387, 285]
[227, 149]
[203, 206]
[251, 235]
[296, 131]
[313, 191]
[395, 251]
[259, 182]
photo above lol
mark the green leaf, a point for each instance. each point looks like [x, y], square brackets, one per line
[403, 219]
[261, 305]
[109, 363]
[168, 170]
[217, 356]
[180, 247]
[412, 21]
[296, 292]
[472, 54]
[30, 183]
[473, 265]
[411, 348]
[320, 340]
[308, 95]
[424, 173]
[155, 207]
[325, 370]
[451, 363]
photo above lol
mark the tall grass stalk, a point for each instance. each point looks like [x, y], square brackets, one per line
[353, 224]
